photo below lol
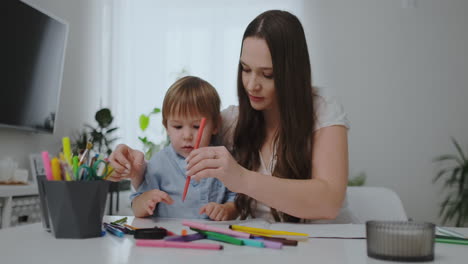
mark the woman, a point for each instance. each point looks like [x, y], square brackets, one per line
[282, 128]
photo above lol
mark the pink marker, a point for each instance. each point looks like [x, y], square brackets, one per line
[47, 168]
[215, 229]
[174, 244]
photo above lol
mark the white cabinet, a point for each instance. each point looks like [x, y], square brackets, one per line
[20, 202]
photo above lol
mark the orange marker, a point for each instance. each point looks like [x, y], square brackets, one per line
[197, 144]
[184, 232]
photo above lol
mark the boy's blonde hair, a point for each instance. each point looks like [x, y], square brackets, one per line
[190, 96]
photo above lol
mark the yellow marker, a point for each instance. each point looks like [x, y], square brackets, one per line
[110, 169]
[55, 164]
[261, 231]
[66, 167]
[67, 150]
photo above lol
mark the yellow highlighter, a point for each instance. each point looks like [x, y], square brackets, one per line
[55, 164]
[266, 232]
[67, 150]
[110, 169]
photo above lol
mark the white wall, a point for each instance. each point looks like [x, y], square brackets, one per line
[80, 86]
[402, 75]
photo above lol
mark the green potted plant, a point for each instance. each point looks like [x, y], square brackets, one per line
[149, 147]
[358, 180]
[99, 136]
[454, 169]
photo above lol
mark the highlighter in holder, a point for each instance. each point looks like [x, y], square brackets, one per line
[400, 240]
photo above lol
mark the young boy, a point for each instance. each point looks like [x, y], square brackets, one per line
[160, 192]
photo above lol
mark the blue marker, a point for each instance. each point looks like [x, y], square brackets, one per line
[114, 230]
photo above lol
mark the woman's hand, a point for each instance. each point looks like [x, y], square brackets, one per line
[127, 163]
[216, 162]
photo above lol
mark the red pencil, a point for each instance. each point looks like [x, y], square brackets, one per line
[197, 144]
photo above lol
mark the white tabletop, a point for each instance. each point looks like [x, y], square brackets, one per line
[31, 244]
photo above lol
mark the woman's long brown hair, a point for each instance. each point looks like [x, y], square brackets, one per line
[285, 38]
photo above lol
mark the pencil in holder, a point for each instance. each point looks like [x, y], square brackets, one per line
[400, 240]
[74, 208]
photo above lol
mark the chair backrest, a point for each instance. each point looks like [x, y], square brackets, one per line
[375, 203]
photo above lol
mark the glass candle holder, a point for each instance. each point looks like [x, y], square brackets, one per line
[400, 240]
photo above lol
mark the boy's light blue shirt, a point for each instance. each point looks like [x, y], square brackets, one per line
[166, 172]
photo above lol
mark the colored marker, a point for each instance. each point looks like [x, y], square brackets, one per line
[47, 168]
[197, 144]
[219, 237]
[186, 238]
[284, 241]
[65, 167]
[67, 150]
[215, 229]
[56, 171]
[113, 230]
[75, 162]
[266, 232]
[451, 241]
[252, 243]
[271, 243]
[175, 244]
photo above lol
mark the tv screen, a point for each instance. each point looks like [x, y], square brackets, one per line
[33, 50]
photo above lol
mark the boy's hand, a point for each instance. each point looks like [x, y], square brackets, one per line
[219, 212]
[127, 163]
[151, 198]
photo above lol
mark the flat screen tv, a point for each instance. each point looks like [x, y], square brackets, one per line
[32, 57]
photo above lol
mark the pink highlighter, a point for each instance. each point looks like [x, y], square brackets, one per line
[47, 168]
[173, 244]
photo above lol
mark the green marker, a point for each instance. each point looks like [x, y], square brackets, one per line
[75, 162]
[451, 241]
[219, 237]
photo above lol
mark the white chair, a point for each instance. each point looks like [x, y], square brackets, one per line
[375, 203]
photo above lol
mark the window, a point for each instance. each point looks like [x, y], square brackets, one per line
[155, 42]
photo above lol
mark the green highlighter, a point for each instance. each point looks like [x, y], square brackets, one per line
[219, 237]
[457, 241]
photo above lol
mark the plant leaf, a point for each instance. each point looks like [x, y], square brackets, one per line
[156, 110]
[447, 158]
[144, 122]
[104, 117]
[358, 180]
[143, 140]
[111, 130]
[460, 151]
[441, 173]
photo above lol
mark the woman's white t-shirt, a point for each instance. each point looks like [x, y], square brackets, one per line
[328, 113]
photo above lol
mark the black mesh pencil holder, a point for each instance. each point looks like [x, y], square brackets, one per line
[400, 240]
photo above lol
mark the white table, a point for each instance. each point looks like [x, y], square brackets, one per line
[31, 244]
